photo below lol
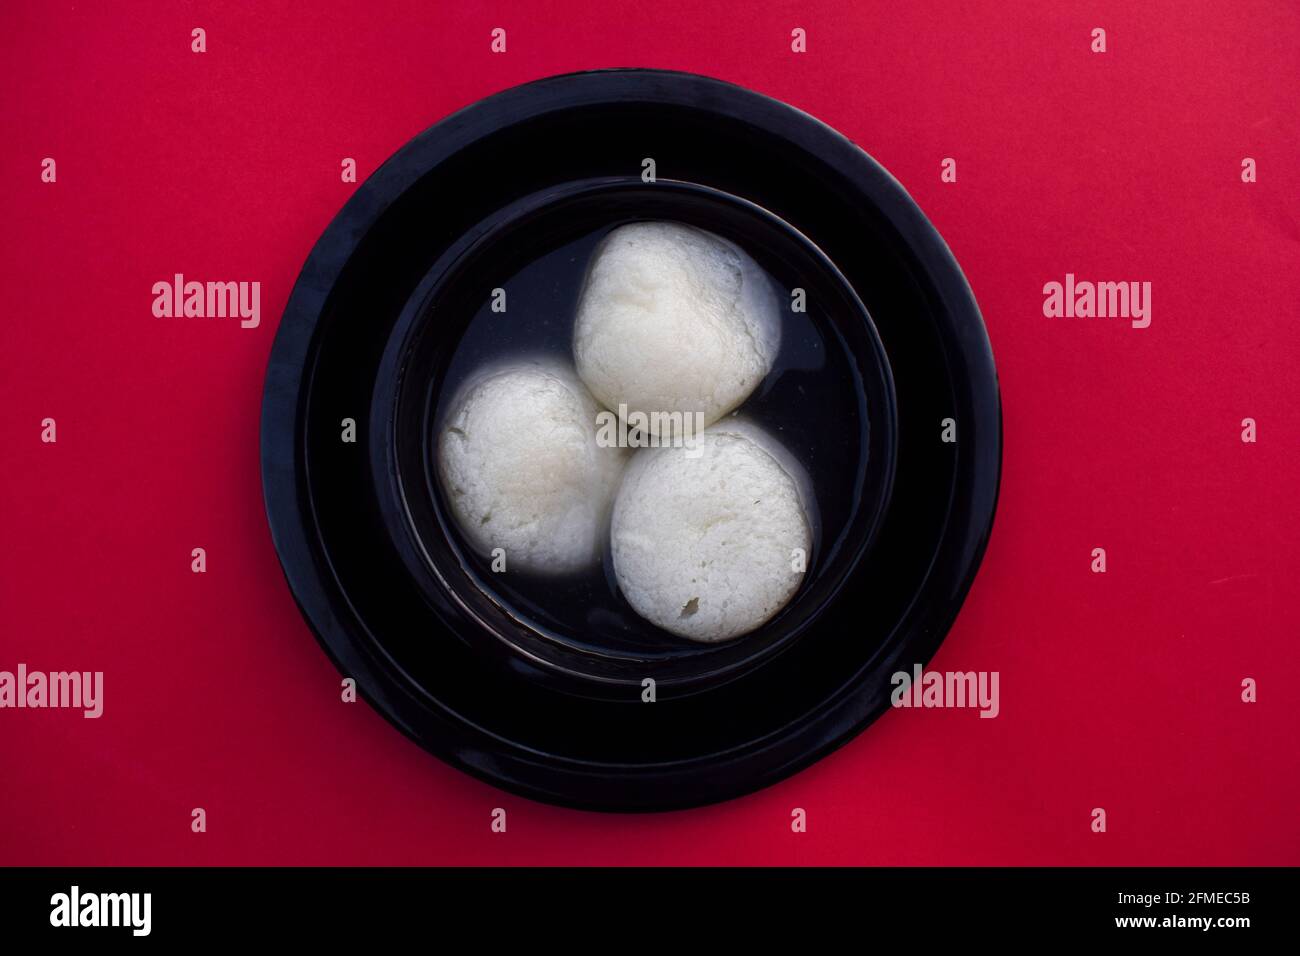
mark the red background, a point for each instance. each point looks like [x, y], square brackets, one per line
[1119, 690]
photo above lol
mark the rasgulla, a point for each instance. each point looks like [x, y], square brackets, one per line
[710, 542]
[521, 468]
[673, 319]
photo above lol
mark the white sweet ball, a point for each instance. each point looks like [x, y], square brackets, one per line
[521, 469]
[705, 545]
[674, 319]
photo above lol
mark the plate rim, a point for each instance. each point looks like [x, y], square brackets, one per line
[842, 715]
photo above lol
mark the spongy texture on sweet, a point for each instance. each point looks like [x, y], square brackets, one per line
[674, 319]
[521, 469]
[704, 546]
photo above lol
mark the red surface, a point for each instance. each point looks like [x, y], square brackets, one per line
[1119, 690]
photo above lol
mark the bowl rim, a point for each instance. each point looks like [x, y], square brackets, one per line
[394, 493]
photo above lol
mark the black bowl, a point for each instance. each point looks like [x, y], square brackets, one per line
[608, 651]
[356, 535]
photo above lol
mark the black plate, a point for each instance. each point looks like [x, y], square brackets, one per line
[343, 524]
